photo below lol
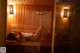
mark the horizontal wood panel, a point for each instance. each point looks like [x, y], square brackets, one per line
[32, 2]
[29, 17]
[28, 43]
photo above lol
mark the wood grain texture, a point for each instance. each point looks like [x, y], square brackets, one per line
[28, 43]
[2, 22]
[26, 16]
[33, 2]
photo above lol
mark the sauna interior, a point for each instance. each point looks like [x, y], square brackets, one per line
[29, 26]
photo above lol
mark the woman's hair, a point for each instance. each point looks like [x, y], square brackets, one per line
[11, 36]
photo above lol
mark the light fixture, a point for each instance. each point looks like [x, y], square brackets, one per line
[11, 9]
[65, 12]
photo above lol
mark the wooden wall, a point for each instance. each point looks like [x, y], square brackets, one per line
[2, 22]
[74, 28]
[61, 22]
[26, 16]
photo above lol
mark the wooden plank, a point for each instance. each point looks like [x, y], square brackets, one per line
[28, 43]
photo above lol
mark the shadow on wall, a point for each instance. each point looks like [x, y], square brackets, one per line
[61, 44]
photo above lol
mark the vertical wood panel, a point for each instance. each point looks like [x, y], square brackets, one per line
[2, 22]
[27, 16]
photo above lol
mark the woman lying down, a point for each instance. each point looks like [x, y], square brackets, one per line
[39, 35]
[19, 36]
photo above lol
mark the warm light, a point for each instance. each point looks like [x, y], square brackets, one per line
[11, 9]
[11, 12]
[65, 12]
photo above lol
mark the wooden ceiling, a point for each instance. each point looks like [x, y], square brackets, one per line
[33, 2]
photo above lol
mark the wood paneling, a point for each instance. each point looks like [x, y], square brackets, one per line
[28, 43]
[33, 2]
[26, 16]
[2, 22]
[61, 22]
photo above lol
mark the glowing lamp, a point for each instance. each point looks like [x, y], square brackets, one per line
[11, 9]
[65, 12]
